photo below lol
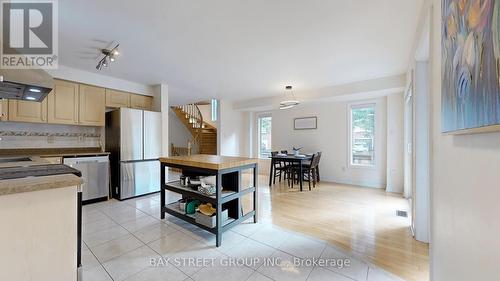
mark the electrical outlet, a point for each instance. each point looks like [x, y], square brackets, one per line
[50, 139]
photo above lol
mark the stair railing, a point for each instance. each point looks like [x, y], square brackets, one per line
[194, 118]
[179, 151]
[193, 114]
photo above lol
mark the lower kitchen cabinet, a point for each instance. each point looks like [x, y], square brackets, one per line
[92, 106]
[28, 111]
[63, 103]
[4, 110]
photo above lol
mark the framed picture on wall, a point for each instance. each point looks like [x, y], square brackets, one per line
[305, 123]
[470, 66]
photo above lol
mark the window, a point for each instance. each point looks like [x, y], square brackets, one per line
[213, 109]
[265, 136]
[362, 134]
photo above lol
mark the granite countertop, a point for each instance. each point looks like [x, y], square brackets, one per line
[213, 162]
[30, 184]
[54, 152]
[35, 160]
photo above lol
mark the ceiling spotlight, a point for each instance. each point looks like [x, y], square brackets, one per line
[109, 56]
[99, 65]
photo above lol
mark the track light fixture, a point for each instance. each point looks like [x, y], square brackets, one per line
[109, 56]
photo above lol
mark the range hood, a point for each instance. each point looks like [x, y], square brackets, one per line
[25, 84]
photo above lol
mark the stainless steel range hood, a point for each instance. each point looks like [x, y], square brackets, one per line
[25, 84]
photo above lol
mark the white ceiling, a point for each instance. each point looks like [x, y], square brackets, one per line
[240, 49]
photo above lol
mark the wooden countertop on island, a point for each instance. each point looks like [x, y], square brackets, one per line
[213, 162]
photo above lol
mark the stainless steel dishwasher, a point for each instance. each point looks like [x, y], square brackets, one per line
[95, 175]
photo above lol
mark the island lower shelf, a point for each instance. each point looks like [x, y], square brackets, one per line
[229, 190]
[229, 223]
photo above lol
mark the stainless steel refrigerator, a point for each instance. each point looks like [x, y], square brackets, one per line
[133, 137]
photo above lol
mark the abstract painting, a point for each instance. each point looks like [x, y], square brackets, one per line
[470, 98]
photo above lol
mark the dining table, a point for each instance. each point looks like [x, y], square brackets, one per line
[292, 159]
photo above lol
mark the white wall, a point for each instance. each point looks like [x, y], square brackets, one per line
[395, 143]
[331, 138]
[161, 103]
[465, 189]
[233, 130]
[206, 112]
[178, 133]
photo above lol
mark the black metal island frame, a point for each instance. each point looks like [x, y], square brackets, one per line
[230, 189]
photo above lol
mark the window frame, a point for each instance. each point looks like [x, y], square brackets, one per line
[350, 108]
[259, 117]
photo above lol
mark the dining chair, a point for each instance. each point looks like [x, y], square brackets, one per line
[309, 171]
[280, 168]
[315, 168]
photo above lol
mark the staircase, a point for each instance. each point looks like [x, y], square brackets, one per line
[204, 135]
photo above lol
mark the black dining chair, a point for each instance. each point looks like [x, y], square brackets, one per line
[284, 152]
[309, 171]
[316, 168]
[280, 168]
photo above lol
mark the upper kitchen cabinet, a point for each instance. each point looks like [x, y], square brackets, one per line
[63, 103]
[4, 110]
[28, 111]
[141, 102]
[92, 105]
[117, 99]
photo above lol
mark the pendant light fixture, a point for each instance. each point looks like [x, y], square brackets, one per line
[290, 100]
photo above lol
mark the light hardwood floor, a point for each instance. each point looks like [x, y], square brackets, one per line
[360, 220]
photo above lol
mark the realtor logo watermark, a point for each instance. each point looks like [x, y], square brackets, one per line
[29, 34]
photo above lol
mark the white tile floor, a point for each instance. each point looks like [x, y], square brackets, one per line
[121, 239]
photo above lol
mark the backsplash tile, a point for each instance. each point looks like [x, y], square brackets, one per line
[31, 135]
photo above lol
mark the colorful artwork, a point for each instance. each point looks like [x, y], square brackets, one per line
[470, 64]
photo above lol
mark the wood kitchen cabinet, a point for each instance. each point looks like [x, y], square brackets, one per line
[4, 110]
[28, 111]
[117, 99]
[72, 103]
[141, 102]
[92, 106]
[63, 103]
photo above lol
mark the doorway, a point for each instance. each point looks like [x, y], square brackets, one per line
[417, 138]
